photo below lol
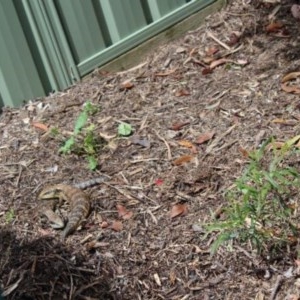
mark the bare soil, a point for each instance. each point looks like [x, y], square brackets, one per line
[154, 255]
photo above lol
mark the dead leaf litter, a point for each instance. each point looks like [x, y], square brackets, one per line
[197, 106]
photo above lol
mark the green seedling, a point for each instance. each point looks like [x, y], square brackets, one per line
[83, 139]
[259, 206]
[9, 216]
[54, 131]
[92, 162]
[124, 129]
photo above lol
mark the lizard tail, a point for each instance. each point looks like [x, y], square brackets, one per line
[79, 213]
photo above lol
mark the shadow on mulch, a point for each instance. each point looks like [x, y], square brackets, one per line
[44, 268]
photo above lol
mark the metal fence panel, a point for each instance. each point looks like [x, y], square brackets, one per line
[19, 78]
[47, 45]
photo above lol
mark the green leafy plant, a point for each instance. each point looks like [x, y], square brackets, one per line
[84, 140]
[260, 204]
[124, 129]
[9, 216]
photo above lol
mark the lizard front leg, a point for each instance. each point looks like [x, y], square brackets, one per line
[55, 220]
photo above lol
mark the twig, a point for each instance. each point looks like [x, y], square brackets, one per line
[13, 286]
[97, 281]
[276, 287]
[71, 287]
[124, 177]
[166, 143]
[52, 288]
[143, 160]
[218, 139]
[143, 124]
[146, 197]
[209, 33]
[19, 175]
[133, 69]
[129, 197]
[184, 196]
[152, 216]
[227, 145]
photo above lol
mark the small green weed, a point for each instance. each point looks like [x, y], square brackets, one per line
[83, 140]
[54, 131]
[9, 216]
[260, 208]
[124, 129]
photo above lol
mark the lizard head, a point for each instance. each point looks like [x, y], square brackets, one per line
[49, 193]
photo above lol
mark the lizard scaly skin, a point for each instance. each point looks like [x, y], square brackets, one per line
[78, 200]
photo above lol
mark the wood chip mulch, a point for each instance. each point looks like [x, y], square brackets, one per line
[195, 105]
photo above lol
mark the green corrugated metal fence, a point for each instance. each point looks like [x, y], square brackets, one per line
[47, 45]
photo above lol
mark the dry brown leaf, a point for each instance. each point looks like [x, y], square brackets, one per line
[275, 145]
[205, 137]
[172, 277]
[244, 152]
[282, 34]
[44, 232]
[182, 160]
[178, 126]
[290, 89]
[198, 62]
[211, 51]
[186, 143]
[206, 71]
[104, 224]
[233, 39]
[182, 92]
[274, 27]
[236, 119]
[166, 73]
[127, 84]
[290, 76]
[128, 215]
[218, 62]
[284, 122]
[207, 60]
[292, 239]
[116, 226]
[123, 212]
[39, 125]
[293, 297]
[94, 245]
[278, 121]
[178, 209]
